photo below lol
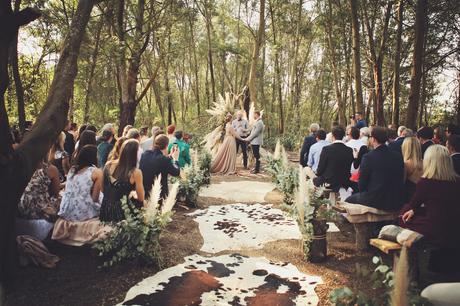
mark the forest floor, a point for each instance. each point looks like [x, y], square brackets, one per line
[78, 279]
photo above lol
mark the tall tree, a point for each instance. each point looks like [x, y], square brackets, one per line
[17, 166]
[417, 63]
[356, 56]
[259, 40]
[397, 64]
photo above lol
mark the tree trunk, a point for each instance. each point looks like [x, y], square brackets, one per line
[396, 66]
[458, 99]
[210, 60]
[356, 56]
[255, 54]
[19, 165]
[417, 64]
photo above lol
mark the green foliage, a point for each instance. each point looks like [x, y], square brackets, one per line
[289, 141]
[284, 176]
[132, 238]
[193, 178]
[382, 280]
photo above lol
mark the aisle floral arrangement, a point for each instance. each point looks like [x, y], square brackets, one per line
[284, 175]
[137, 237]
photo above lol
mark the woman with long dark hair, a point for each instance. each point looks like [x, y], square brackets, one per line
[86, 138]
[59, 157]
[121, 178]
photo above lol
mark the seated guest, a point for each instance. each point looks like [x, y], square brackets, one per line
[315, 150]
[413, 165]
[308, 141]
[143, 131]
[452, 129]
[79, 133]
[92, 128]
[381, 179]
[59, 157]
[115, 153]
[425, 135]
[69, 143]
[433, 210]
[88, 137]
[155, 162]
[437, 138]
[334, 163]
[354, 142]
[106, 127]
[170, 132]
[392, 135]
[184, 149]
[81, 201]
[453, 145]
[126, 129]
[364, 134]
[329, 135]
[134, 134]
[105, 147]
[121, 178]
[148, 143]
[396, 145]
[40, 202]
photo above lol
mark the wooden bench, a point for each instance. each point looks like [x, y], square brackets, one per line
[364, 220]
[387, 247]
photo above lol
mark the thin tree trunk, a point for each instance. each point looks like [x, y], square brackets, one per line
[417, 63]
[458, 99]
[396, 66]
[356, 56]
[255, 54]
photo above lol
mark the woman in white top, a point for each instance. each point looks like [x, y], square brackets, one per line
[81, 203]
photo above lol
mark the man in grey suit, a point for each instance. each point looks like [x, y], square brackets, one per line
[241, 127]
[256, 139]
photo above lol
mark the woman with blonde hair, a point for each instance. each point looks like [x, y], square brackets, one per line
[413, 165]
[58, 157]
[434, 209]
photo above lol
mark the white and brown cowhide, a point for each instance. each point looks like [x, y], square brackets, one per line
[226, 280]
[239, 191]
[242, 226]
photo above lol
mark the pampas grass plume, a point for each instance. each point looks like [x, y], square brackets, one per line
[168, 204]
[151, 209]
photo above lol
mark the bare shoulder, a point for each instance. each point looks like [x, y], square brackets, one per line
[53, 171]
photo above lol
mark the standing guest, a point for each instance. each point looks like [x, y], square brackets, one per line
[187, 138]
[69, 143]
[335, 162]
[73, 130]
[256, 139]
[148, 143]
[425, 135]
[315, 150]
[170, 132]
[106, 127]
[184, 149]
[364, 134]
[115, 153]
[81, 201]
[360, 122]
[381, 179]
[329, 135]
[413, 165]
[157, 161]
[308, 141]
[88, 137]
[437, 139]
[121, 178]
[433, 210]
[59, 157]
[397, 144]
[126, 129]
[104, 148]
[453, 145]
[452, 129]
[134, 134]
[241, 127]
[144, 131]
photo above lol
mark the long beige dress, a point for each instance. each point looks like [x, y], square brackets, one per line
[225, 160]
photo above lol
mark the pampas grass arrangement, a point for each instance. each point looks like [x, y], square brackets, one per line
[169, 202]
[152, 204]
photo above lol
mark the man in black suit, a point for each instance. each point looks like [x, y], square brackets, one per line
[381, 180]
[425, 135]
[453, 145]
[308, 141]
[157, 161]
[335, 163]
[396, 145]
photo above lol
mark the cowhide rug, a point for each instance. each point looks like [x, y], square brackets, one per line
[240, 191]
[226, 280]
[242, 226]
